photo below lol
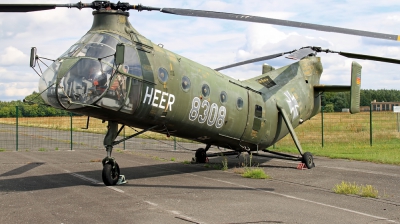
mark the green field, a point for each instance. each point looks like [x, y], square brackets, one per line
[345, 136]
[348, 136]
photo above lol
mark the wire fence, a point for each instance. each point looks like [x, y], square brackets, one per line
[70, 133]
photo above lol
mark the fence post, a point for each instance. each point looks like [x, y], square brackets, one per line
[370, 125]
[174, 143]
[70, 115]
[124, 137]
[16, 131]
[322, 125]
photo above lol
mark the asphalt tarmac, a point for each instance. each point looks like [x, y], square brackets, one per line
[62, 186]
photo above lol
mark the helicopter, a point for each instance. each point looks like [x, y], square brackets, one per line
[115, 74]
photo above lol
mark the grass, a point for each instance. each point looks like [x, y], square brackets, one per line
[2, 150]
[42, 150]
[248, 170]
[186, 162]
[346, 188]
[173, 159]
[224, 163]
[347, 136]
[354, 189]
[255, 173]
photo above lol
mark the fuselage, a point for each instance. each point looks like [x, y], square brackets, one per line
[155, 86]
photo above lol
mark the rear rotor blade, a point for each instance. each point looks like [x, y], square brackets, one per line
[253, 60]
[257, 19]
[369, 57]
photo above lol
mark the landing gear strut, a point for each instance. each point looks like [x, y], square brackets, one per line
[111, 172]
[307, 157]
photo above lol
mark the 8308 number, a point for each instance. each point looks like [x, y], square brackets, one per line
[203, 112]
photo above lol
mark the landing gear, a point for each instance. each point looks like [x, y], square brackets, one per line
[308, 160]
[201, 154]
[110, 174]
[111, 171]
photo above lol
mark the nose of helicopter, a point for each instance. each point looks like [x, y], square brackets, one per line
[74, 83]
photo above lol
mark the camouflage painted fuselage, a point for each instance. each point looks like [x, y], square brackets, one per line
[156, 86]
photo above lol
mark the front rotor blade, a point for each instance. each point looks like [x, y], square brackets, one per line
[253, 60]
[369, 57]
[257, 19]
[40, 7]
[25, 7]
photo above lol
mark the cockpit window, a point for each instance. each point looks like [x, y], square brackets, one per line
[124, 40]
[96, 50]
[100, 46]
[104, 39]
[84, 83]
[85, 38]
[47, 82]
[71, 51]
[132, 63]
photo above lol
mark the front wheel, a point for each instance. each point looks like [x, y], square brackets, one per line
[110, 174]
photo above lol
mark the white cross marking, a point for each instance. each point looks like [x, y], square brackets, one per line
[293, 105]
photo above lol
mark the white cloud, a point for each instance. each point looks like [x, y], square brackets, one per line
[16, 90]
[12, 56]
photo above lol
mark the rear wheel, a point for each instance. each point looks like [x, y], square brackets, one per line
[201, 155]
[308, 160]
[110, 174]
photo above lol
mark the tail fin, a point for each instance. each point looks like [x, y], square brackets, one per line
[355, 87]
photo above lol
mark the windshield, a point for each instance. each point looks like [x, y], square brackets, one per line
[84, 83]
[86, 75]
[47, 82]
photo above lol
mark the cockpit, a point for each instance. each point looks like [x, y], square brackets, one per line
[86, 75]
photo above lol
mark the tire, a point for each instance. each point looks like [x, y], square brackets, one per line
[109, 175]
[201, 155]
[308, 160]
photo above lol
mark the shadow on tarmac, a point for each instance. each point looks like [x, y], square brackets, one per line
[64, 180]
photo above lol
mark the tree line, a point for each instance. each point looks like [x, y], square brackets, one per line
[335, 102]
[332, 102]
[33, 106]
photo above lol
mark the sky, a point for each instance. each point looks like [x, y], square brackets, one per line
[213, 42]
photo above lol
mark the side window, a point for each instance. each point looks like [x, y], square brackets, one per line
[163, 75]
[257, 118]
[205, 90]
[239, 103]
[258, 111]
[223, 97]
[185, 83]
[132, 63]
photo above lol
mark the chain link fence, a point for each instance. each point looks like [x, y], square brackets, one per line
[71, 133]
[364, 128]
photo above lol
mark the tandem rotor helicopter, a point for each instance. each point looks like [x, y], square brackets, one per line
[115, 74]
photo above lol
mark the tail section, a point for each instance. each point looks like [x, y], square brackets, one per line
[355, 87]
